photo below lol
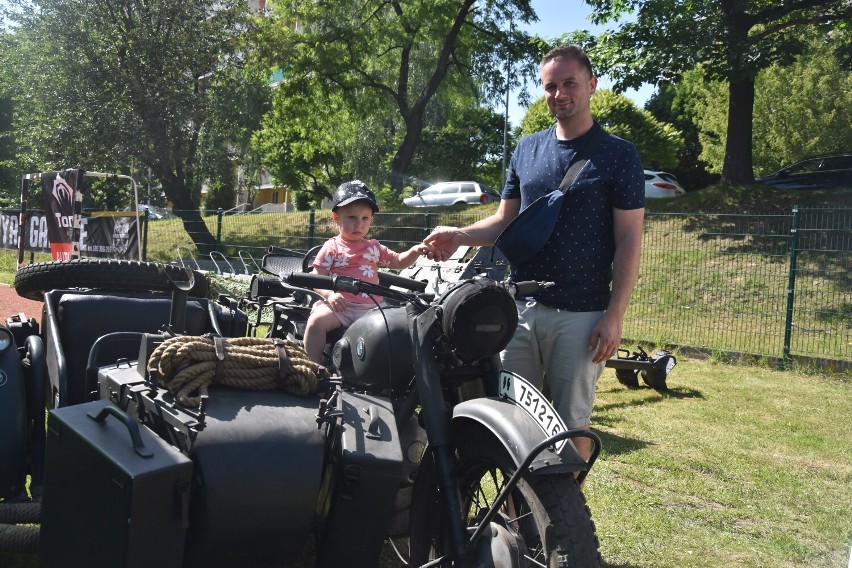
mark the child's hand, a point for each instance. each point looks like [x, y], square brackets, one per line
[336, 302]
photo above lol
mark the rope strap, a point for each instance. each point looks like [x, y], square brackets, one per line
[187, 365]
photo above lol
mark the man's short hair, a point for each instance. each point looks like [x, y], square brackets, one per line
[567, 51]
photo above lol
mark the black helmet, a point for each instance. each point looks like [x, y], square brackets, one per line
[352, 191]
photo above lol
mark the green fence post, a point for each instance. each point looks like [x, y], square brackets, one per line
[311, 228]
[791, 287]
[427, 223]
[219, 214]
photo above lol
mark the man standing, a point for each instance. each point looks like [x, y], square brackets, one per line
[566, 333]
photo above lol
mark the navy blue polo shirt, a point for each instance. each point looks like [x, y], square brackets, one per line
[578, 256]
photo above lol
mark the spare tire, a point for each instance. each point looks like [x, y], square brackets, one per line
[33, 280]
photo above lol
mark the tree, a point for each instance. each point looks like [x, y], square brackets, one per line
[468, 147]
[732, 39]
[388, 60]
[303, 138]
[658, 143]
[681, 104]
[105, 83]
[801, 109]
[8, 177]
[804, 109]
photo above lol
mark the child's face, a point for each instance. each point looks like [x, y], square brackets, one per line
[353, 220]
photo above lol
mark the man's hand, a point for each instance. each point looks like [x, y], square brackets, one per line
[441, 243]
[606, 337]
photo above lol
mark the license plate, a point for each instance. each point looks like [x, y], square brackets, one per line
[524, 394]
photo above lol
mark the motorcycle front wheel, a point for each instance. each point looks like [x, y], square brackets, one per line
[544, 522]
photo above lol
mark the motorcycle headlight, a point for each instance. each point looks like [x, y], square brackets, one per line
[6, 339]
[479, 318]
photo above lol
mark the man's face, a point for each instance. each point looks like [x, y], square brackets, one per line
[568, 88]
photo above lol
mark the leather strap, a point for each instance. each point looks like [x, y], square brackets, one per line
[219, 346]
[582, 158]
[284, 364]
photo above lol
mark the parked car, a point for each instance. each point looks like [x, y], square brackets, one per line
[662, 184]
[452, 193]
[830, 170]
[154, 212]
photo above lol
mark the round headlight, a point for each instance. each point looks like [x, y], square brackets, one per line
[479, 318]
[6, 339]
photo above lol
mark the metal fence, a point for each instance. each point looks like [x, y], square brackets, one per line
[774, 285]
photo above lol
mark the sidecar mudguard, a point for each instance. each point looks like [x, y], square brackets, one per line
[518, 433]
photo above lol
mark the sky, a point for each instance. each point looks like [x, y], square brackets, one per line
[556, 17]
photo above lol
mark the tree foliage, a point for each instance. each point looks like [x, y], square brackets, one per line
[105, 84]
[658, 142]
[387, 61]
[731, 39]
[305, 137]
[801, 109]
[682, 104]
[468, 147]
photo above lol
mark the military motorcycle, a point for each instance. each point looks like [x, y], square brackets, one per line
[412, 431]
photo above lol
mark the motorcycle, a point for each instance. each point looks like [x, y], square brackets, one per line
[415, 433]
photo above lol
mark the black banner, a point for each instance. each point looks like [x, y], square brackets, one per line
[62, 203]
[107, 235]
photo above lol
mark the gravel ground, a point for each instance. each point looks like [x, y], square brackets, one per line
[11, 303]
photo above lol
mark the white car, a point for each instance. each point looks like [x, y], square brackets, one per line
[662, 184]
[452, 193]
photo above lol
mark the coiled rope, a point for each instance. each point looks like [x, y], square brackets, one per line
[189, 364]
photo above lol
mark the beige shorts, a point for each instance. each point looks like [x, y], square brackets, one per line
[550, 349]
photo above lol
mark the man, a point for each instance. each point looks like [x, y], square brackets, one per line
[566, 333]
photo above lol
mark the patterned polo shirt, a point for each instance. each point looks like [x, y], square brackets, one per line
[578, 256]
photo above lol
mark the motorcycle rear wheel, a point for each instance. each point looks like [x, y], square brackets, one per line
[548, 513]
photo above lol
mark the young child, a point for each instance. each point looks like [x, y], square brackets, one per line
[350, 253]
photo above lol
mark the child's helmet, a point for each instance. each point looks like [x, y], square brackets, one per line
[352, 191]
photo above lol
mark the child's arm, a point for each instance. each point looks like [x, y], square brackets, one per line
[409, 257]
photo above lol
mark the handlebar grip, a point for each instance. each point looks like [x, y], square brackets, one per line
[525, 288]
[311, 280]
[391, 279]
[323, 282]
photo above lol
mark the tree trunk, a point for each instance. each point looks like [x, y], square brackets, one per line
[405, 153]
[186, 209]
[738, 168]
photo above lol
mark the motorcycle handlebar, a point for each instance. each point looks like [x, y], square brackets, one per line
[355, 286]
[344, 284]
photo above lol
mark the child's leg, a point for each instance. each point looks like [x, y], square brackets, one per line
[321, 321]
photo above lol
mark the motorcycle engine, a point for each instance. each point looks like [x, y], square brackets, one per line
[479, 318]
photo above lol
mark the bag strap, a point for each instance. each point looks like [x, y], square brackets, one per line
[584, 154]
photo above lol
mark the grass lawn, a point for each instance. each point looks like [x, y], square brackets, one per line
[734, 466]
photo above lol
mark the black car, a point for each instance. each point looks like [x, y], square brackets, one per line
[833, 170]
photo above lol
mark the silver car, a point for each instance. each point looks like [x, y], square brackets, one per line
[453, 193]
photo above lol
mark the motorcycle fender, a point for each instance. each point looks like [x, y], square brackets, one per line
[518, 432]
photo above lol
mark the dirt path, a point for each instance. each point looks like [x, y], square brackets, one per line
[11, 303]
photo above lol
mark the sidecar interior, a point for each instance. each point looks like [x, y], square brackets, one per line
[74, 321]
